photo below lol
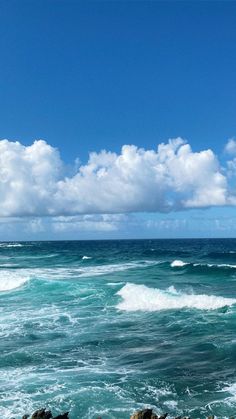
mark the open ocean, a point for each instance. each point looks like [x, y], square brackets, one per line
[101, 328]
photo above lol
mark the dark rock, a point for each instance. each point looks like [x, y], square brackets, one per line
[163, 416]
[42, 414]
[144, 414]
[63, 416]
[25, 416]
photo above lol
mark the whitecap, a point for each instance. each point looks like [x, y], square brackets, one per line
[11, 245]
[142, 298]
[116, 267]
[10, 280]
[86, 257]
[178, 264]
[216, 265]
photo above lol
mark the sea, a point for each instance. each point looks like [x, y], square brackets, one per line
[104, 328]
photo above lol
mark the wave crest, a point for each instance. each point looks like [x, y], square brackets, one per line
[6, 245]
[11, 280]
[178, 264]
[142, 298]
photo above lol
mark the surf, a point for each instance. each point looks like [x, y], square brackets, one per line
[142, 298]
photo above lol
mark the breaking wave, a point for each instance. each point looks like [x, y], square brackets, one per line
[178, 263]
[11, 280]
[5, 245]
[143, 298]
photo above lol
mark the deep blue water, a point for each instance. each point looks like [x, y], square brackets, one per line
[107, 327]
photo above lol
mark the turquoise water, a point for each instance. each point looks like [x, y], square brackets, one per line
[106, 327]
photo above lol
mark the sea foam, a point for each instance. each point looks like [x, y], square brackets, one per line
[11, 280]
[142, 298]
[178, 264]
[11, 245]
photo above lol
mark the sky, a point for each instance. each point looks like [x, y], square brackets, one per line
[117, 119]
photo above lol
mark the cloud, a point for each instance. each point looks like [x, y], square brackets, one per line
[99, 222]
[173, 177]
[28, 178]
[230, 147]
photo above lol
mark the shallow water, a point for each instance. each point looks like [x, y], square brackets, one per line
[106, 327]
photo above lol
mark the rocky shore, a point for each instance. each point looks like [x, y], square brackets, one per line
[142, 414]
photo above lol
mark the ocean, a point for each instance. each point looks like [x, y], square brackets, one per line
[102, 328]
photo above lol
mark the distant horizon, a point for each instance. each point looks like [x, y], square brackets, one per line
[130, 239]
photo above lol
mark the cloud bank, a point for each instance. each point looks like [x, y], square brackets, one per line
[171, 178]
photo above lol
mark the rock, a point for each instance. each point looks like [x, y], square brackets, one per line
[163, 416]
[42, 414]
[25, 416]
[63, 416]
[144, 414]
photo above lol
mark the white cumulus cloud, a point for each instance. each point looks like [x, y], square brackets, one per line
[173, 177]
[230, 147]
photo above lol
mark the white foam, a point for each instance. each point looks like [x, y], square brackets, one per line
[216, 265]
[10, 280]
[116, 267]
[178, 264]
[11, 245]
[86, 257]
[143, 298]
[230, 389]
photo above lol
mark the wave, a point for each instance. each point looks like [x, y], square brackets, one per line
[86, 257]
[12, 280]
[178, 263]
[5, 245]
[216, 265]
[231, 389]
[142, 298]
[119, 267]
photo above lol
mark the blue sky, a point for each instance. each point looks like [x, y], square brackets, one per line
[88, 76]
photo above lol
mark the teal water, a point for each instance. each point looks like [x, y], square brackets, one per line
[106, 327]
